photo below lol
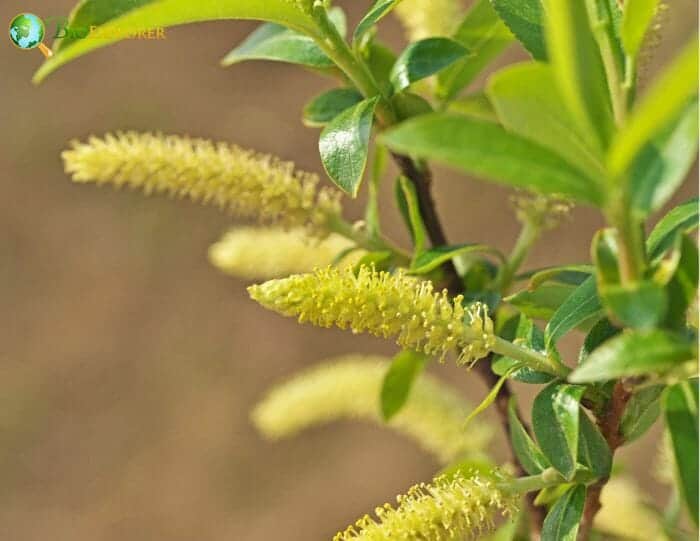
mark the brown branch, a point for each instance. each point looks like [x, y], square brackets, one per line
[609, 425]
[421, 178]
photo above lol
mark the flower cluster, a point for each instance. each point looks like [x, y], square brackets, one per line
[542, 211]
[349, 388]
[426, 18]
[382, 304]
[250, 184]
[447, 509]
[264, 253]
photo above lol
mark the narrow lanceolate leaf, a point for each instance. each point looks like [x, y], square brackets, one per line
[410, 208]
[681, 411]
[583, 305]
[344, 145]
[529, 455]
[542, 302]
[593, 450]
[277, 43]
[324, 108]
[663, 164]
[397, 384]
[423, 59]
[376, 12]
[662, 103]
[485, 36]
[563, 519]
[578, 69]
[682, 288]
[555, 420]
[476, 105]
[635, 353]
[683, 218]
[431, 259]
[528, 103]
[525, 19]
[636, 19]
[641, 412]
[119, 18]
[488, 150]
[641, 305]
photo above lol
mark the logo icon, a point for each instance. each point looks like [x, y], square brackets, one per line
[27, 31]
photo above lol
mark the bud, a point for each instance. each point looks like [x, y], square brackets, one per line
[384, 305]
[249, 184]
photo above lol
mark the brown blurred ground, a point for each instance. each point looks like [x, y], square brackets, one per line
[127, 364]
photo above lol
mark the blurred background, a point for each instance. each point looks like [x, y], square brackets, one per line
[128, 365]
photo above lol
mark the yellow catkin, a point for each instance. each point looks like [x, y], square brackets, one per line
[265, 253]
[249, 184]
[448, 509]
[427, 18]
[349, 388]
[627, 514]
[383, 304]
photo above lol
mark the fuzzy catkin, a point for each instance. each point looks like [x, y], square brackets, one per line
[448, 509]
[265, 253]
[349, 388]
[428, 18]
[248, 184]
[385, 305]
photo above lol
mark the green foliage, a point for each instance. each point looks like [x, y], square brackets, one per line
[344, 145]
[569, 125]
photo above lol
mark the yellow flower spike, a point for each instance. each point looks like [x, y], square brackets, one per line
[428, 18]
[249, 184]
[385, 305]
[349, 388]
[264, 253]
[447, 509]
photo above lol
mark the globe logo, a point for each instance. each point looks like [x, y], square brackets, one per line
[27, 32]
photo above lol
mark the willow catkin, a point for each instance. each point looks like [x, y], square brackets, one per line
[244, 182]
[385, 305]
[349, 388]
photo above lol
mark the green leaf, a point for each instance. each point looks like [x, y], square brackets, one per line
[382, 261]
[325, 107]
[398, 381]
[486, 402]
[663, 164]
[424, 58]
[599, 333]
[431, 259]
[606, 256]
[579, 70]
[121, 17]
[543, 302]
[565, 515]
[641, 412]
[485, 36]
[528, 454]
[683, 218]
[635, 353]
[593, 450]
[555, 419]
[528, 103]
[279, 44]
[682, 288]
[529, 336]
[410, 207]
[668, 96]
[681, 411]
[408, 104]
[582, 306]
[636, 19]
[344, 145]
[573, 275]
[376, 12]
[487, 150]
[641, 305]
[379, 59]
[476, 105]
[524, 18]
